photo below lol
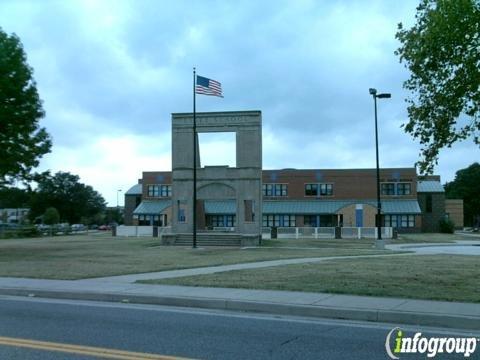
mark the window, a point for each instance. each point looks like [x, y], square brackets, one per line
[248, 206]
[268, 190]
[166, 190]
[310, 220]
[278, 220]
[221, 220]
[144, 220]
[153, 190]
[274, 189]
[229, 220]
[280, 189]
[404, 189]
[181, 212]
[328, 220]
[400, 221]
[326, 189]
[390, 220]
[388, 188]
[407, 221]
[159, 190]
[311, 189]
[318, 189]
[428, 205]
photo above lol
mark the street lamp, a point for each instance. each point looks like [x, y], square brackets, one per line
[118, 192]
[379, 242]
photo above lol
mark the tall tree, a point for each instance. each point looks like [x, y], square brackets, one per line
[22, 141]
[466, 186]
[442, 52]
[51, 216]
[71, 198]
[11, 197]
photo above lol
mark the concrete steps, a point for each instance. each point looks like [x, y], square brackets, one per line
[212, 239]
[209, 240]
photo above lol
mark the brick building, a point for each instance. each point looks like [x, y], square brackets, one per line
[307, 198]
[246, 198]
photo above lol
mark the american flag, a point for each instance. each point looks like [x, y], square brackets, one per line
[208, 87]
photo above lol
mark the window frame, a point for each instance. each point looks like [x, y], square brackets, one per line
[318, 189]
[390, 186]
[275, 189]
[313, 189]
[279, 220]
[401, 188]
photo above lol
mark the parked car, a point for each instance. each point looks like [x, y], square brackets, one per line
[104, 227]
[78, 227]
[63, 228]
[43, 227]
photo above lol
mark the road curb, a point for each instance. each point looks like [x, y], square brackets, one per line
[373, 315]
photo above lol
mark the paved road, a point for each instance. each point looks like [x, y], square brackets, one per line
[186, 332]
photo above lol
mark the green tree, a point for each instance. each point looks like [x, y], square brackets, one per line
[22, 141]
[466, 186]
[63, 191]
[51, 216]
[113, 215]
[442, 52]
[11, 197]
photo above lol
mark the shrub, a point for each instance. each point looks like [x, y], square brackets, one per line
[447, 226]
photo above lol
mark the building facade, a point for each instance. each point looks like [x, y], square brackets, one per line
[306, 198]
[246, 198]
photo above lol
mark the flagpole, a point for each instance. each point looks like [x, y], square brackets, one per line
[194, 217]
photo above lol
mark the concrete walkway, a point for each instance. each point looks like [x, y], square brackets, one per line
[132, 278]
[391, 310]
[413, 249]
[459, 247]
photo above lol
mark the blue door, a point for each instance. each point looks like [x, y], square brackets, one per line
[359, 215]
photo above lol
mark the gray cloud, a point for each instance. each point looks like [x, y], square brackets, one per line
[116, 70]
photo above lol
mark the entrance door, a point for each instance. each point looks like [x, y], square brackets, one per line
[359, 215]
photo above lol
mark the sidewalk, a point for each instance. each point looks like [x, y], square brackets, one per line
[390, 310]
[168, 274]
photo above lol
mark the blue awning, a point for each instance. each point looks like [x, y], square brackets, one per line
[220, 207]
[152, 207]
[430, 186]
[314, 207]
[299, 207]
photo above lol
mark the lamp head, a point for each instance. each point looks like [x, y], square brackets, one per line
[372, 91]
[384, 96]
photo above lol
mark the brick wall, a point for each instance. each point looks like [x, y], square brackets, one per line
[454, 209]
[431, 219]
[347, 184]
[131, 202]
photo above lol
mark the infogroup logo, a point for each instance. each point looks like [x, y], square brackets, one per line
[432, 346]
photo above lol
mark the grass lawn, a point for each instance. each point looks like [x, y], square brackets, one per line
[85, 256]
[435, 277]
[320, 243]
[430, 238]
[364, 243]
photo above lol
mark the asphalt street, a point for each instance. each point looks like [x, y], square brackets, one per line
[189, 333]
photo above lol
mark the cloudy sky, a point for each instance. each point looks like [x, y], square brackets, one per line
[110, 73]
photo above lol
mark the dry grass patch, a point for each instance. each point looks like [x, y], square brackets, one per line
[432, 277]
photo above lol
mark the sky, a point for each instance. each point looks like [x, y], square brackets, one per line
[110, 73]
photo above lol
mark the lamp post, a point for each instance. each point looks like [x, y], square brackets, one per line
[117, 215]
[118, 191]
[379, 242]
